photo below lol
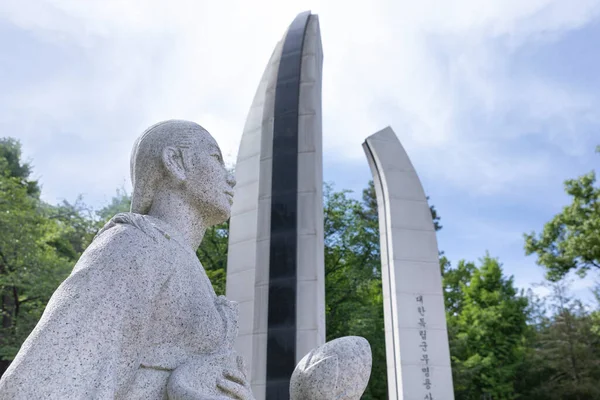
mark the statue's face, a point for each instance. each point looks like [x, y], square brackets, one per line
[207, 181]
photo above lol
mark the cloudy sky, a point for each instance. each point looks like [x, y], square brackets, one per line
[496, 101]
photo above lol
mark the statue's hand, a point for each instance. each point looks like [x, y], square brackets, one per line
[235, 385]
[216, 377]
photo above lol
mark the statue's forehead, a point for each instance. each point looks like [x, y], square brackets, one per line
[205, 143]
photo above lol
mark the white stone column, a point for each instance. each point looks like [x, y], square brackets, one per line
[249, 230]
[250, 226]
[416, 337]
[310, 316]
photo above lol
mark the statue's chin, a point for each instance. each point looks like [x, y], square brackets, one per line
[215, 213]
[219, 215]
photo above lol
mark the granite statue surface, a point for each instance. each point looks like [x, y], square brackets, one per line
[338, 370]
[138, 317]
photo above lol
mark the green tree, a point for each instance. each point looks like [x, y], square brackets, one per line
[531, 371]
[77, 227]
[11, 165]
[595, 315]
[31, 266]
[564, 356]
[487, 325]
[213, 255]
[571, 240]
[454, 282]
[120, 203]
[353, 277]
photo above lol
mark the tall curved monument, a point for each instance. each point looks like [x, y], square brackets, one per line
[416, 337]
[275, 267]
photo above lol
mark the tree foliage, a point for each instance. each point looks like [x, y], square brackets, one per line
[487, 324]
[213, 255]
[353, 276]
[571, 240]
[563, 354]
[33, 259]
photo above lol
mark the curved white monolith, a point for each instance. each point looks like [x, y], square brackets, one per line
[416, 338]
[275, 266]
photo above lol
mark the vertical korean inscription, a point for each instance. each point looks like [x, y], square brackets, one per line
[427, 382]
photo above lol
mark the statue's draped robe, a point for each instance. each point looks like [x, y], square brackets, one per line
[137, 305]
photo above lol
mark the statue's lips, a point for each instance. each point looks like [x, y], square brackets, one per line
[229, 193]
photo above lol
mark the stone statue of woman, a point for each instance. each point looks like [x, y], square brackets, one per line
[138, 317]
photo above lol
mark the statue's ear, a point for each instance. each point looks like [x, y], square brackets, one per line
[172, 158]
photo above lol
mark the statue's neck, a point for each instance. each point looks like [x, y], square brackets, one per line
[172, 208]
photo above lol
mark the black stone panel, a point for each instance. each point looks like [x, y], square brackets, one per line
[282, 313]
[283, 256]
[278, 389]
[283, 343]
[281, 332]
[284, 201]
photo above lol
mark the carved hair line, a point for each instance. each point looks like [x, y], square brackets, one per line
[146, 158]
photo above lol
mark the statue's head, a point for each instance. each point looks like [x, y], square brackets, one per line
[181, 157]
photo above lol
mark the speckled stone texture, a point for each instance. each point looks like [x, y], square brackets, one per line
[138, 318]
[337, 370]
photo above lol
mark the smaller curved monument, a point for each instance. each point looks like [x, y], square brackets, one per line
[416, 337]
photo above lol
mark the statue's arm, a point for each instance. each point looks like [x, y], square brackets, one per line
[89, 340]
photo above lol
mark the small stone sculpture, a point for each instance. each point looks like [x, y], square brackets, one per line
[337, 370]
[138, 317]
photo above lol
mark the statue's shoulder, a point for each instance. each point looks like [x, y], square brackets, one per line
[131, 224]
[128, 241]
[125, 238]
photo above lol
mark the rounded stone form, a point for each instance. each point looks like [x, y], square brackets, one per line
[338, 370]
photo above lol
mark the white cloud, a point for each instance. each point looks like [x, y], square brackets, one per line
[424, 67]
[441, 77]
